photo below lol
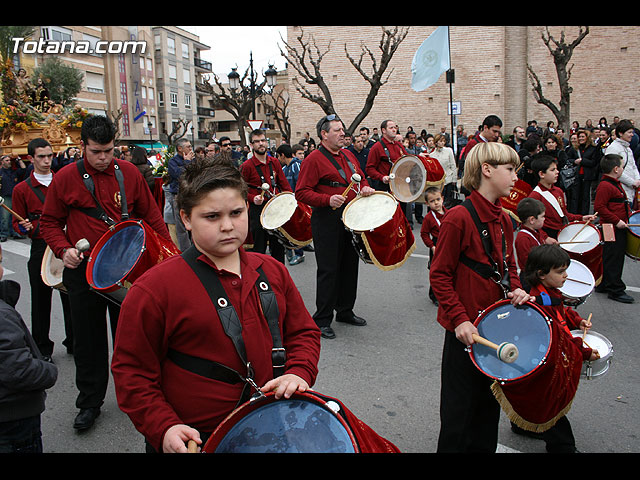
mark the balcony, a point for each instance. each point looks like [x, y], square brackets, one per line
[203, 64]
[206, 112]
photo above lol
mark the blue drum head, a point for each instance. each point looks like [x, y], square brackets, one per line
[634, 219]
[524, 326]
[288, 426]
[118, 256]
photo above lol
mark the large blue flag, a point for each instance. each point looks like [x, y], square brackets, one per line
[430, 60]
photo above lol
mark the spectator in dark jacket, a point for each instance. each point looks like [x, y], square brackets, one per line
[140, 160]
[24, 377]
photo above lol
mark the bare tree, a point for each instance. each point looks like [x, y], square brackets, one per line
[561, 51]
[178, 130]
[116, 117]
[278, 106]
[306, 58]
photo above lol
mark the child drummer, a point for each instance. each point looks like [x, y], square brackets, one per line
[546, 272]
[466, 281]
[431, 226]
[545, 168]
[611, 202]
[177, 371]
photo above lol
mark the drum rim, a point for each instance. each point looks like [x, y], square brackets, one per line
[271, 200]
[250, 406]
[101, 242]
[400, 160]
[592, 277]
[544, 357]
[630, 229]
[595, 245]
[358, 198]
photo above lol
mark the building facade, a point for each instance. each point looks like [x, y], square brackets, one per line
[490, 64]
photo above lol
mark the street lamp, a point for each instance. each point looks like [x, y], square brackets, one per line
[234, 79]
[149, 125]
[271, 75]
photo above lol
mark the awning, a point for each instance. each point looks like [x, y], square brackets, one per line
[156, 146]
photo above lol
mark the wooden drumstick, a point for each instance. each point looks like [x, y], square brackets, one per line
[584, 333]
[265, 188]
[578, 281]
[583, 227]
[10, 211]
[355, 178]
[192, 446]
[83, 245]
[577, 241]
[507, 352]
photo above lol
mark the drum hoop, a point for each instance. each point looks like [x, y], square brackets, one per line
[252, 405]
[273, 200]
[630, 229]
[542, 362]
[359, 198]
[592, 277]
[394, 167]
[102, 242]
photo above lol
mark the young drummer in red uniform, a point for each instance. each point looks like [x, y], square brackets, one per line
[611, 201]
[468, 410]
[324, 176]
[71, 213]
[259, 169]
[546, 272]
[167, 327]
[431, 226]
[28, 200]
[553, 198]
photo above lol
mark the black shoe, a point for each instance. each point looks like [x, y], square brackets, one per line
[622, 298]
[327, 332]
[86, 418]
[308, 248]
[521, 431]
[47, 358]
[354, 320]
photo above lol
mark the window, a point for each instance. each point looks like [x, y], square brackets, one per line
[186, 75]
[187, 100]
[151, 94]
[94, 82]
[161, 99]
[57, 34]
[171, 46]
[185, 50]
[149, 65]
[173, 75]
[92, 42]
[174, 99]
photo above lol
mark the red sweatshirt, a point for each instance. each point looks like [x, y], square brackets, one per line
[25, 202]
[158, 314]
[609, 211]
[461, 292]
[250, 175]
[552, 219]
[378, 163]
[430, 228]
[526, 239]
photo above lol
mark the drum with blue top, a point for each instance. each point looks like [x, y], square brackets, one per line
[633, 236]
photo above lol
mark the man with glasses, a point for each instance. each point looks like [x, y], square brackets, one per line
[324, 176]
[184, 154]
[258, 170]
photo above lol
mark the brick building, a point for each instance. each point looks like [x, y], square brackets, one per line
[490, 77]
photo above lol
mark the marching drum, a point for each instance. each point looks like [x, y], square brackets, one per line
[287, 219]
[307, 422]
[538, 387]
[578, 285]
[51, 270]
[381, 233]
[595, 368]
[411, 175]
[633, 236]
[123, 254]
[587, 248]
[520, 190]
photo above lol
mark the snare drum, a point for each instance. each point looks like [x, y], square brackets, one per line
[287, 219]
[123, 254]
[633, 237]
[304, 423]
[538, 388]
[381, 233]
[51, 270]
[578, 285]
[595, 368]
[588, 251]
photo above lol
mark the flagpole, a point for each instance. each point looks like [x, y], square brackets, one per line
[450, 81]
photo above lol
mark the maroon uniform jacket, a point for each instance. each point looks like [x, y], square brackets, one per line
[462, 293]
[526, 239]
[378, 163]
[67, 193]
[27, 204]
[609, 202]
[316, 172]
[158, 314]
[250, 175]
[430, 228]
[552, 219]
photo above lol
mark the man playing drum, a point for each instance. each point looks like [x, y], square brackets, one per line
[72, 212]
[28, 200]
[324, 176]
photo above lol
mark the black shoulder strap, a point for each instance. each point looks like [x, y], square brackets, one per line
[33, 216]
[97, 211]
[386, 150]
[327, 154]
[228, 315]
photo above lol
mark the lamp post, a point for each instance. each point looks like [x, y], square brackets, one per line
[149, 126]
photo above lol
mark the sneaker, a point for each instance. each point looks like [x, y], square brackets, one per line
[296, 259]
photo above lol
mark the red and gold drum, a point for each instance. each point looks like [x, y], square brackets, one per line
[287, 219]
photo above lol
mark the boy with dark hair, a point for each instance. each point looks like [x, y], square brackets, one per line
[612, 203]
[431, 226]
[178, 370]
[545, 168]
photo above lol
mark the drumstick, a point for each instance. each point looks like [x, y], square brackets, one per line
[507, 352]
[577, 241]
[584, 333]
[192, 446]
[10, 211]
[578, 281]
[583, 227]
[264, 187]
[83, 245]
[355, 178]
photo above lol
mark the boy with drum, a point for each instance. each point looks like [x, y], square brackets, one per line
[468, 275]
[612, 203]
[178, 370]
[546, 272]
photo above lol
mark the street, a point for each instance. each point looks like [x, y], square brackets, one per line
[387, 373]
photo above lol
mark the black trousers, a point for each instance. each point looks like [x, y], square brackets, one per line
[613, 254]
[262, 238]
[41, 295]
[469, 413]
[90, 341]
[337, 266]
